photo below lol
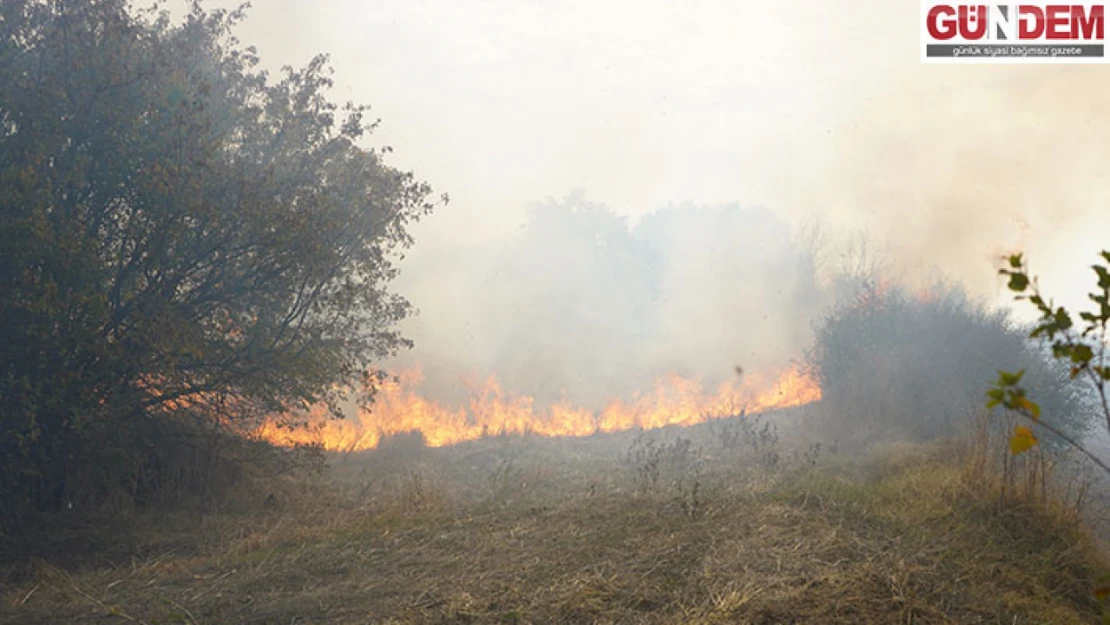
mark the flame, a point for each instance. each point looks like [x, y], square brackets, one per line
[399, 408]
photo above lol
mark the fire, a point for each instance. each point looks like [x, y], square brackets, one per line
[674, 400]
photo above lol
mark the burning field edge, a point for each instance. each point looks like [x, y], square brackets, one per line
[400, 408]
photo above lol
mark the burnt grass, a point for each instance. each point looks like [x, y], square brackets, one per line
[722, 524]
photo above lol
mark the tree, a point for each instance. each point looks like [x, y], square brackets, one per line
[1083, 348]
[177, 231]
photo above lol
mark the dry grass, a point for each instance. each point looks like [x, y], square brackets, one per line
[527, 531]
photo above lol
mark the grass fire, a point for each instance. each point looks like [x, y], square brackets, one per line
[398, 409]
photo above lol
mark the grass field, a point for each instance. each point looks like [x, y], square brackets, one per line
[727, 524]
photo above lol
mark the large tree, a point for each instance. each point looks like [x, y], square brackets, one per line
[177, 229]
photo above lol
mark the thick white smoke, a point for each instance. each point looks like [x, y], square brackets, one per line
[581, 302]
[812, 109]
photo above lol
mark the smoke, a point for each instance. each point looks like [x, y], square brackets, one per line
[815, 110]
[581, 304]
[952, 167]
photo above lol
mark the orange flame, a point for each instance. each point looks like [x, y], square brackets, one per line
[674, 400]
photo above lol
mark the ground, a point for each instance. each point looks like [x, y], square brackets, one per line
[722, 525]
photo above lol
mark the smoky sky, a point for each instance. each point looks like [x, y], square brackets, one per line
[581, 304]
[663, 113]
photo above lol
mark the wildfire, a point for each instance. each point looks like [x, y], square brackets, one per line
[674, 400]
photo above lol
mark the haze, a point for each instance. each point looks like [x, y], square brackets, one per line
[816, 111]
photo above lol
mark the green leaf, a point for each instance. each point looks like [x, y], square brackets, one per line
[1018, 282]
[1082, 354]
[1062, 318]
[1022, 441]
[1006, 378]
[1103, 276]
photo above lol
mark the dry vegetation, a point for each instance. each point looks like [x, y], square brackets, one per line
[728, 523]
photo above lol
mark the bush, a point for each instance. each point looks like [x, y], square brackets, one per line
[894, 363]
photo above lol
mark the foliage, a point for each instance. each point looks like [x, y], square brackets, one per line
[1083, 348]
[177, 233]
[881, 356]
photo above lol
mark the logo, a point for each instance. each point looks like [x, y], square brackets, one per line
[1013, 33]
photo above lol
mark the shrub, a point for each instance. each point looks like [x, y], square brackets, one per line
[891, 362]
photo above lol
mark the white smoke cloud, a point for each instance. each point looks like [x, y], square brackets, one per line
[812, 109]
